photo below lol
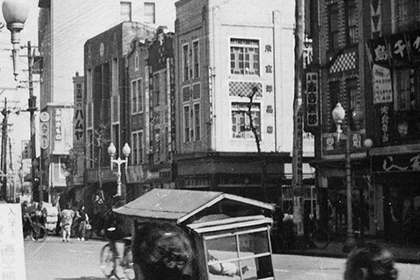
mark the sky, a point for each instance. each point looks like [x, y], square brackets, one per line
[17, 98]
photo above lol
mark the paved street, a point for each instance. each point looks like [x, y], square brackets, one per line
[295, 267]
[55, 260]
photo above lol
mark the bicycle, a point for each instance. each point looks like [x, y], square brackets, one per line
[111, 260]
[320, 237]
[34, 229]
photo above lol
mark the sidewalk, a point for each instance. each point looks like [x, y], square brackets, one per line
[403, 253]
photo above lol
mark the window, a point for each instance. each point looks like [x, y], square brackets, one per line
[185, 62]
[149, 12]
[241, 121]
[89, 86]
[197, 122]
[187, 127]
[246, 248]
[90, 148]
[406, 116]
[137, 143]
[157, 146]
[402, 83]
[333, 26]
[136, 96]
[185, 94]
[137, 61]
[114, 74]
[196, 60]
[115, 137]
[353, 93]
[334, 88]
[156, 90]
[125, 11]
[351, 22]
[244, 57]
[403, 7]
[196, 91]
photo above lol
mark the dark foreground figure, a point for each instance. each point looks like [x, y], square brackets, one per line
[370, 262]
[162, 251]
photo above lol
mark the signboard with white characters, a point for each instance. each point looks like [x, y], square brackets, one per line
[12, 255]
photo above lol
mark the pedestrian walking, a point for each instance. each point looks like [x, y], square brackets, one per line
[370, 261]
[81, 219]
[67, 216]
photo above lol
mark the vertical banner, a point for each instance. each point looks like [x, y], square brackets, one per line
[382, 85]
[79, 137]
[12, 254]
[311, 101]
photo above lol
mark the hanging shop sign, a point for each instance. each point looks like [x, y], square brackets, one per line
[397, 163]
[397, 49]
[45, 135]
[382, 85]
[332, 145]
[311, 101]
[384, 114]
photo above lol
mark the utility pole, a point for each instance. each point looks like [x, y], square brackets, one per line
[3, 164]
[32, 108]
[297, 181]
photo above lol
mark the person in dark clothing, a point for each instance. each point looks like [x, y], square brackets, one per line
[162, 251]
[370, 261]
[81, 220]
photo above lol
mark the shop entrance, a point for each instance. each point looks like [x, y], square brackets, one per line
[402, 208]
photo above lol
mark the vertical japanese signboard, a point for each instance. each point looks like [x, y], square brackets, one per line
[12, 257]
[382, 85]
[311, 101]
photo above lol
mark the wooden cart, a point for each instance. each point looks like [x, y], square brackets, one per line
[230, 234]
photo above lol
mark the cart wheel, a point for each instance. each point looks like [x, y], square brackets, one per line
[107, 260]
[321, 238]
[88, 233]
[127, 263]
[38, 233]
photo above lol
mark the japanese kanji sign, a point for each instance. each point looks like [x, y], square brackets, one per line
[311, 100]
[12, 255]
[382, 85]
[415, 44]
[395, 49]
[379, 51]
[399, 48]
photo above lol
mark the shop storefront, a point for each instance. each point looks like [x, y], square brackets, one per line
[398, 178]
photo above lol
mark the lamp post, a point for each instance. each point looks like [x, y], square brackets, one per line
[15, 13]
[338, 115]
[126, 151]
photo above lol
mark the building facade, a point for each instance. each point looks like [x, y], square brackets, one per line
[64, 28]
[108, 103]
[150, 68]
[365, 59]
[234, 96]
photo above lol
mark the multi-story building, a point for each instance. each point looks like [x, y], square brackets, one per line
[365, 58]
[64, 28]
[234, 96]
[151, 77]
[108, 101]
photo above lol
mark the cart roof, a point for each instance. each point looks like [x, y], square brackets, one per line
[179, 205]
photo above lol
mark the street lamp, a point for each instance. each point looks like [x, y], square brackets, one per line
[15, 13]
[338, 115]
[126, 151]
